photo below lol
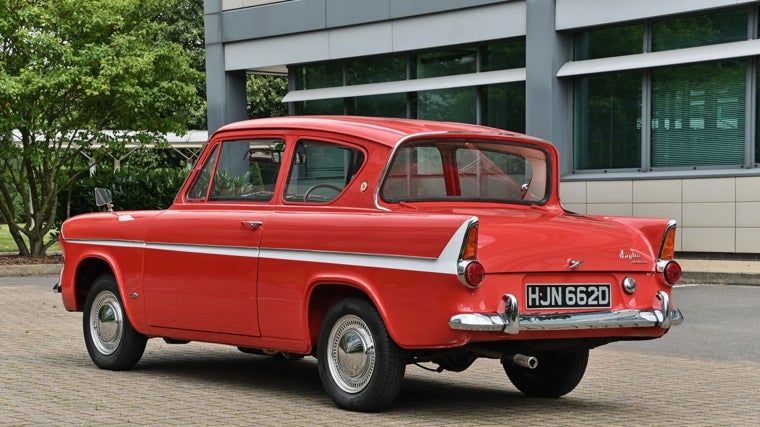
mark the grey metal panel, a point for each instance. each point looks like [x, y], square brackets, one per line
[422, 32]
[503, 20]
[406, 8]
[212, 28]
[583, 13]
[291, 49]
[215, 86]
[275, 19]
[547, 98]
[416, 85]
[663, 58]
[369, 39]
[212, 6]
[351, 12]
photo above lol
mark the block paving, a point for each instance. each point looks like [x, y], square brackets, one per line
[48, 379]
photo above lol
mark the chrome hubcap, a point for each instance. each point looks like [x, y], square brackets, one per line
[351, 354]
[106, 323]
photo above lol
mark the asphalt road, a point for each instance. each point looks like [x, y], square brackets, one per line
[705, 372]
[721, 323]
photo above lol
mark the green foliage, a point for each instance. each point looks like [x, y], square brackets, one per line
[265, 94]
[132, 189]
[70, 69]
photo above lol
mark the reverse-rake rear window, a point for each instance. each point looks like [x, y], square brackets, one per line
[472, 170]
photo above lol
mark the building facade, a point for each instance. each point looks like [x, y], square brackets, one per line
[652, 104]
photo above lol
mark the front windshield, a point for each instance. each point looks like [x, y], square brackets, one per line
[467, 169]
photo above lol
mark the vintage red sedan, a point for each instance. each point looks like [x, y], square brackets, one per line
[371, 244]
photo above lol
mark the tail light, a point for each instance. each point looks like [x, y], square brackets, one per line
[668, 246]
[471, 272]
[670, 269]
[672, 272]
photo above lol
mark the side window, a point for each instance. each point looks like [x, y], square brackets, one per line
[247, 170]
[321, 170]
[417, 172]
[200, 187]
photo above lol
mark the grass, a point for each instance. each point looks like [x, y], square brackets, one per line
[7, 244]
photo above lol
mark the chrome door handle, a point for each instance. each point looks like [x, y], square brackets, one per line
[253, 225]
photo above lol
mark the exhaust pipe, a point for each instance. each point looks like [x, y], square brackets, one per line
[528, 362]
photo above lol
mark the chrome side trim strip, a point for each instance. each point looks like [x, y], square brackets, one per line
[510, 322]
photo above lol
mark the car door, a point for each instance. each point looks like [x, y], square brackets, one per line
[201, 257]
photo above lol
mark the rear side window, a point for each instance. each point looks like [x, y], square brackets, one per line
[321, 170]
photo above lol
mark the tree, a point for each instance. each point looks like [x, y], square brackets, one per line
[265, 93]
[69, 71]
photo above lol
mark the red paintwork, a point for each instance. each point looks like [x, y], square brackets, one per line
[255, 298]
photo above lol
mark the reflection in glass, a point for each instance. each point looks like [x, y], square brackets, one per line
[607, 42]
[446, 63]
[698, 114]
[503, 106]
[456, 105]
[376, 70]
[321, 106]
[503, 56]
[387, 105]
[700, 30]
[314, 76]
[607, 121]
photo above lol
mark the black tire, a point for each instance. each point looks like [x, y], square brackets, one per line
[111, 340]
[557, 373]
[354, 376]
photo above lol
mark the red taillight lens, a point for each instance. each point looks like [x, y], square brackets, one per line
[474, 273]
[672, 272]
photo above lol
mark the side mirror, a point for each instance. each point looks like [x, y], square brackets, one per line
[103, 198]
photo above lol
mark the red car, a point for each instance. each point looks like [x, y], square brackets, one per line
[370, 244]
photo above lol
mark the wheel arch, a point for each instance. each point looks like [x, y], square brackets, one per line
[324, 293]
[89, 269]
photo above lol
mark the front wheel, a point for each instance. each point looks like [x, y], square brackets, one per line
[111, 340]
[360, 366]
[557, 373]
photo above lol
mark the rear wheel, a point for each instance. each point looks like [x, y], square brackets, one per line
[111, 340]
[360, 366]
[557, 373]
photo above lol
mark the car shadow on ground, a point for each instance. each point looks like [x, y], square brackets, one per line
[423, 393]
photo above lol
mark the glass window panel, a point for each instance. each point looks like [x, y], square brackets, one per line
[698, 114]
[314, 76]
[321, 106]
[446, 63]
[247, 170]
[607, 42]
[321, 170]
[503, 106]
[607, 121]
[456, 105]
[376, 70]
[388, 105]
[200, 186]
[700, 30]
[504, 56]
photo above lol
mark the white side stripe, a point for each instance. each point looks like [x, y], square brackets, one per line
[446, 263]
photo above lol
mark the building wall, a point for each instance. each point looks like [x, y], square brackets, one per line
[718, 208]
[713, 214]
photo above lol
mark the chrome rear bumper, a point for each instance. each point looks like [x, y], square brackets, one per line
[508, 319]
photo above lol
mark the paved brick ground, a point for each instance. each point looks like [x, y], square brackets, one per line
[48, 379]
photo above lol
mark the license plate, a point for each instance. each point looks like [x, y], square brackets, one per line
[591, 295]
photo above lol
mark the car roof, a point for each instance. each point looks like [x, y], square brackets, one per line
[384, 130]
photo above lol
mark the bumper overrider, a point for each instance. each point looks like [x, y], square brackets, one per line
[508, 319]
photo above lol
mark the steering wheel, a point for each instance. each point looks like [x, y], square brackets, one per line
[318, 186]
